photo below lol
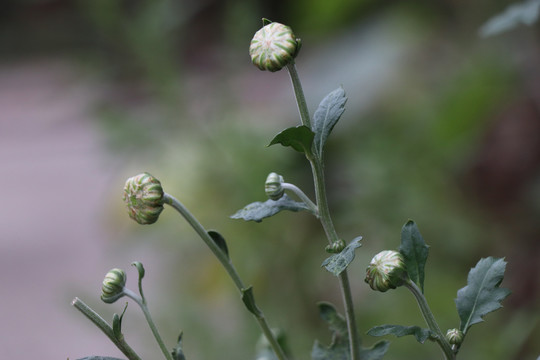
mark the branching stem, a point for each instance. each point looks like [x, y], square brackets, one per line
[226, 263]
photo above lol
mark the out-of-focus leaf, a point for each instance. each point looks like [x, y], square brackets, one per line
[177, 352]
[339, 347]
[326, 116]
[414, 251]
[257, 211]
[220, 241]
[339, 262]
[99, 358]
[482, 294]
[300, 138]
[525, 13]
[420, 334]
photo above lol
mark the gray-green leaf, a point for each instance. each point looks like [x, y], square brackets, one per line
[326, 116]
[414, 251]
[420, 334]
[300, 138]
[339, 347]
[249, 301]
[339, 262]
[482, 294]
[257, 211]
[525, 13]
[219, 240]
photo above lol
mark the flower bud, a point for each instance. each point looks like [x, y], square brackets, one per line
[386, 271]
[454, 337]
[143, 196]
[113, 285]
[273, 187]
[336, 247]
[273, 47]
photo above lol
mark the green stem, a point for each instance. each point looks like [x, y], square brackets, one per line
[317, 169]
[226, 263]
[430, 320]
[312, 207]
[299, 93]
[142, 304]
[106, 328]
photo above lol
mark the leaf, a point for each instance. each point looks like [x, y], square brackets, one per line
[177, 352]
[339, 347]
[339, 262]
[525, 13]
[419, 333]
[249, 301]
[482, 294]
[300, 138]
[220, 241]
[264, 350]
[326, 116]
[414, 251]
[257, 211]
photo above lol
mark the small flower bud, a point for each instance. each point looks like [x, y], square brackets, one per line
[273, 47]
[454, 337]
[113, 285]
[336, 247]
[273, 187]
[143, 196]
[386, 271]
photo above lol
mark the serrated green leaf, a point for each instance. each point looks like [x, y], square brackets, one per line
[339, 262]
[300, 138]
[524, 13]
[339, 347]
[326, 116]
[415, 252]
[219, 240]
[482, 294]
[420, 334]
[249, 301]
[257, 211]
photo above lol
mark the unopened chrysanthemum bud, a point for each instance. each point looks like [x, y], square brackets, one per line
[454, 337]
[336, 247]
[143, 196]
[113, 285]
[386, 271]
[273, 47]
[273, 187]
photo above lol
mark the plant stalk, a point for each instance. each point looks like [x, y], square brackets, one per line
[317, 169]
[226, 263]
[106, 328]
[142, 304]
[430, 320]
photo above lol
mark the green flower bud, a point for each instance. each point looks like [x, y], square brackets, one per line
[336, 247]
[113, 286]
[143, 196]
[454, 337]
[273, 187]
[273, 47]
[386, 271]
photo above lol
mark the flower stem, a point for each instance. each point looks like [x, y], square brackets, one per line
[299, 94]
[312, 207]
[226, 263]
[317, 169]
[430, 320]
[142, 304]
[106, 328]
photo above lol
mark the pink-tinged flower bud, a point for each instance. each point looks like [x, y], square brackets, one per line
[386, 271]
[143, 196]
[273, 47]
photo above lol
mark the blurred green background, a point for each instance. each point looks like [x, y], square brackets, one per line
[442, 126]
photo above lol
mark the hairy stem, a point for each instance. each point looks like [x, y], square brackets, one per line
[299, 94]
[106, 328]
[226, 263]
[312, 207]
[142, 304]
[430, 320]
